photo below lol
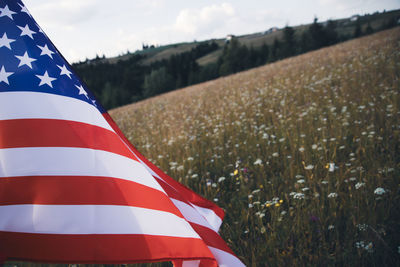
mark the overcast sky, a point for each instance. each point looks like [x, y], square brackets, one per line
[83, 28]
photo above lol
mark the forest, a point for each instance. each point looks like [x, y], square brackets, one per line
[130, 80]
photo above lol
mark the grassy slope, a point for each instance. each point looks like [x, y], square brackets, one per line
[279, 126]
[255, 40]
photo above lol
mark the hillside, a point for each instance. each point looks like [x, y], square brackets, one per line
[155, 70]
[301, 153]
[346, 27]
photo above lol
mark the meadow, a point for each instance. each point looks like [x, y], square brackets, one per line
[302, 154]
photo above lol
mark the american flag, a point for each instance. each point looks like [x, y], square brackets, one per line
[72, 187]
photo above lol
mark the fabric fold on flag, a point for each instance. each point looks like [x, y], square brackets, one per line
[72, 187]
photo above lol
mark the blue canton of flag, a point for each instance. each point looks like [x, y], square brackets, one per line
[30, 62]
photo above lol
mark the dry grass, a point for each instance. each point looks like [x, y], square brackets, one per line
[294, 151]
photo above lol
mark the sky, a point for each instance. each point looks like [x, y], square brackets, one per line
[82, 29]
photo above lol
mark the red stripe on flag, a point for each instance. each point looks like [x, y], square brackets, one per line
[100, 248]
[59, 133]
[211, 238]
[82, 190]
[183, 190]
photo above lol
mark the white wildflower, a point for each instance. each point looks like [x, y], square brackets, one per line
[221, 179]
[309, 167]
[298, 196]
[359, 185]
[379, 191]
[332, 195]
[258, 162]
[301, 181]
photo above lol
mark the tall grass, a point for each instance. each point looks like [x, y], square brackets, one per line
[303, 154]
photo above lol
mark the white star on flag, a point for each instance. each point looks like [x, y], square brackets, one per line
[25, 60]
[6, 12]
[4, 75]
[4, 41]
[46, 51]
[26, 31]
[24, 9]
[64, 71]
[45, 79]
[82, 91]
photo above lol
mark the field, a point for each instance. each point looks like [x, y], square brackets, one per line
[303, 154]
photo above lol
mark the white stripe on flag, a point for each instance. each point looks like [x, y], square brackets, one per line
[213, 219]
[34, 105]
[225, 259]
[92, 219]
[191, 214]
[63, 161]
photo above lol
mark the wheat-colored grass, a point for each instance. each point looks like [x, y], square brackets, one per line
[294, 151]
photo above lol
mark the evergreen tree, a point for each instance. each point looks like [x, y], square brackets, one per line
[289, 42]
[157, 82]
[357, 30]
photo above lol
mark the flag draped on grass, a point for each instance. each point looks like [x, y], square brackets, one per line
[72, 188]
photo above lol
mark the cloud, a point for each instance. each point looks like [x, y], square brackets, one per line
[64, 13]
[197, 22]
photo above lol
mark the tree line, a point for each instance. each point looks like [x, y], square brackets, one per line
[127, 81]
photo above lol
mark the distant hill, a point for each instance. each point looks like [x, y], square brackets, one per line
[345, 27]
[158, 69]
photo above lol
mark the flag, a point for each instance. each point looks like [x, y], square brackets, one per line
[72, 187]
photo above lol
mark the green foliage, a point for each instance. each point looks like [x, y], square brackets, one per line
[157, 82]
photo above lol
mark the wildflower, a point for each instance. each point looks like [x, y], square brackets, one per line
[316, 195]
[257, 162]
[277, 205]
[379, 191]
[250, 196]
[314, 146]
[214, 185]
[362, 227]
[298, 196]
[301, 181]
[281, 201]
[215, 199]
[221, 179]
[195, 175]
[275, 154]
[250, 205]
[305, 189]
[284, 213]
[353, 179]
[332, 195]
[180, 168]
[331, 227]
[324, 182]
[190, 158]
[256, 191]
[359, 185]
[262, 230]
[301, 149]
[309, 167]
[268, 205]
[330, 167]
[235, 172]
